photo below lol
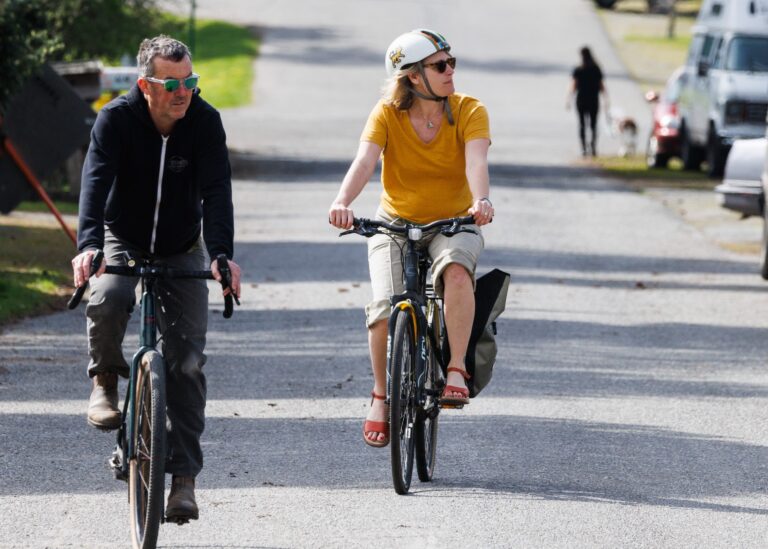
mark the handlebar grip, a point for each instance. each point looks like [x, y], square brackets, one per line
[96, 260]
[226, 283]
[227, 306]
[74, 301]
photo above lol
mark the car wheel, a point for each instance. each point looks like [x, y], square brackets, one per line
[653, 158]
[690, 153]
[764, 247]
[716, 155]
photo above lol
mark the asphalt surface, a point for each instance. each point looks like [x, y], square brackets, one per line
[629, 402]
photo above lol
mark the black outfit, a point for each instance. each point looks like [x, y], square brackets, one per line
[155, 195]
[589, 80]
[121, 171]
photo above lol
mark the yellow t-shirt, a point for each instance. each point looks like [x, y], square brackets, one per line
[424, 182]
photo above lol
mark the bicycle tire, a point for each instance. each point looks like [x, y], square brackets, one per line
[402, 401]
[147, 468]
[426, 422]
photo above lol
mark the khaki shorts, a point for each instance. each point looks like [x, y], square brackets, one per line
[386, 267]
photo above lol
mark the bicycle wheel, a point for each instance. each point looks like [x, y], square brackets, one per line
[426, 421]
[402, 401]
[147, 467]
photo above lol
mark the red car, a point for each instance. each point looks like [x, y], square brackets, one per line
[664, 141]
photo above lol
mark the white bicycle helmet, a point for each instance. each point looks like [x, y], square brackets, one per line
[412, 47]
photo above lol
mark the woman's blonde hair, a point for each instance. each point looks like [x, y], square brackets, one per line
[398, 91]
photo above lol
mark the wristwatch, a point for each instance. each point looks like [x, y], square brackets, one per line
[486, 199]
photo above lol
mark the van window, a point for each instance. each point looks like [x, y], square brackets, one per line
[719, 49]
[706, 48]
[693, 52]
[748, 53]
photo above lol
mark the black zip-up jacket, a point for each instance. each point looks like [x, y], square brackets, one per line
[154, 192]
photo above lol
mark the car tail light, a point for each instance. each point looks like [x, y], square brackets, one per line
[671, 121]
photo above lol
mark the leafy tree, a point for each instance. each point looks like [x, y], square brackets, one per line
[109, 29]
[35, 31]
[28, 36]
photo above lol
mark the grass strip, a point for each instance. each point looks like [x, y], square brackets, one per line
[634, 170]
[223, 58]
[35, 274]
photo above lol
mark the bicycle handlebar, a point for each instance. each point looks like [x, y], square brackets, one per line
[159, 271]
[370, 227]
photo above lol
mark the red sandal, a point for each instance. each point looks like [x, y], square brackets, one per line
[376, 427]
[452, 401]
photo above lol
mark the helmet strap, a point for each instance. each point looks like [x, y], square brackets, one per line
[434, 96]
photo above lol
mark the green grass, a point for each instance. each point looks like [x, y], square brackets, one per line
[634, 170]
[38, 206]
[677, 43]
[34, 269]
[642, 43]
[223, 58]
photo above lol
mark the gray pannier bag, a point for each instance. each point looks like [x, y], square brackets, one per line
[490, 301]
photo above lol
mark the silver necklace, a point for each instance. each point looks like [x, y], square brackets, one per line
[430, 125]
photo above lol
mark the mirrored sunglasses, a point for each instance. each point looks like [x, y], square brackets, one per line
[443, 64]
[172, 84]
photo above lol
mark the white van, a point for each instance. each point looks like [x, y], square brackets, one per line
[726, 93]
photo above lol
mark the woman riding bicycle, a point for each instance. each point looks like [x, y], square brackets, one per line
[434, 148]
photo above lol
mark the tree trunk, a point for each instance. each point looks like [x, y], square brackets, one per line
[672, 19]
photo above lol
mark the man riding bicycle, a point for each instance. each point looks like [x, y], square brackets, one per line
[434, 148]
[157, 185]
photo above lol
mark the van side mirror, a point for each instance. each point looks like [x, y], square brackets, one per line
[703, 68]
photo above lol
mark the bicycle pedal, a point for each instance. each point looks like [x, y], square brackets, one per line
[451, 406]
[179, 521]
[116, 464]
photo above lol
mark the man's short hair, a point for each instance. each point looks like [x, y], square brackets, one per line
[161, 46]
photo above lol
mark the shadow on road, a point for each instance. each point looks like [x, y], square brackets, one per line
[265, 169]
[521, 457]
[346, 261]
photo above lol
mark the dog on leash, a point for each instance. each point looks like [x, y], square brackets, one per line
[624, 128]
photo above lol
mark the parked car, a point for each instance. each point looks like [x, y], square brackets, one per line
[724, 97]
[664, 139]
[742, 188]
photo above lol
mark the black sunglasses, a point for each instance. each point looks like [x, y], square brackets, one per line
[443, 64]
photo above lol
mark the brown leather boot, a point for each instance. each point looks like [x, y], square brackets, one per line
[182, 506]
[103, 412]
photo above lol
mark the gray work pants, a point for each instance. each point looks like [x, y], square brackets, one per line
[182, 316]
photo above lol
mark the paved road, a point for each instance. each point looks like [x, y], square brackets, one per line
[629, 404]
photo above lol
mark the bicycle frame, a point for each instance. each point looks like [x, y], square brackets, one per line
[147, 342]
[415, 300]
